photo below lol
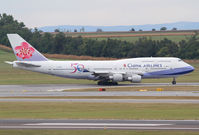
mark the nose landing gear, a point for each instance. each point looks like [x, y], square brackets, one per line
[174, 81]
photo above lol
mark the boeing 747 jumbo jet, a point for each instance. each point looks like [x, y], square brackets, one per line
[105, 72]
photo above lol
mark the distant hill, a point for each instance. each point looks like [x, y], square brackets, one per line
[147, 27]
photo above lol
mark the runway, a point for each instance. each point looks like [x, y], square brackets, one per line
[60, 87]
[176, 101]
[57, 90]
[98, 93]
[101, 124]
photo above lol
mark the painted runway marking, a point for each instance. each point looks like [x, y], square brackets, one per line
[56, 90]
[101, 124]
[97, 127]
[93, 124]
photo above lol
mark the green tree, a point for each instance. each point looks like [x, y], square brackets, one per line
[47, 43]
[99, 30]
[169, 46]
[132, 29]
[174, 29]
[164, 51]
[189, 49]
[59, 42]
[163, 28]
[9, 25]
[57, 30]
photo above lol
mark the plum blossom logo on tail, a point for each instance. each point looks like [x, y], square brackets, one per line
[24, 51]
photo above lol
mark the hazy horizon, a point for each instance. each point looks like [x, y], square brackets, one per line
[36, 13]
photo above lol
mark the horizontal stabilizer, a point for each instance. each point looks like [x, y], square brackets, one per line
[25, 64]
[9, 62]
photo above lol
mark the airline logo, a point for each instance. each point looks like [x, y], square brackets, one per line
[130, 65]
[77, 67]
[24, 51]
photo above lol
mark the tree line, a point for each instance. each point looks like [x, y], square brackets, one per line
[62, 44]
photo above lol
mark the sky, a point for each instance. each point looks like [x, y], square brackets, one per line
[38, 13]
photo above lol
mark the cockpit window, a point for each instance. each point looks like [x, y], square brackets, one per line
[179, 60]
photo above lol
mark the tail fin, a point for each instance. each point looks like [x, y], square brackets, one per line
[23, 50]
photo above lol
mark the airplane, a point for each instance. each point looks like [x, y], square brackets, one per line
[105, 72]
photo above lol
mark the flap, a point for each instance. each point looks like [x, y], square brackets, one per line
[101, 72]
[107, 72]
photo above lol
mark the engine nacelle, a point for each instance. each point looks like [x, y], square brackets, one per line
[135, 78]
[116, 77]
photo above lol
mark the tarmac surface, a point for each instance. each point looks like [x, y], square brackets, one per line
[60, 87]
[50, 90]
[176, 101]
[57, 90]
[100, 124]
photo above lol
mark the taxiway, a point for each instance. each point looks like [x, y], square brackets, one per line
[101, 124]
[49, 90]
[60, 87]
[176, 101]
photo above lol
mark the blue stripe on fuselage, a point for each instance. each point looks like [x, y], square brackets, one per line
[170, 72]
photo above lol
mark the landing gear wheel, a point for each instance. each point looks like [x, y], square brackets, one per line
[106, 83]
[114, 83]
[100, 83]
[174, 81]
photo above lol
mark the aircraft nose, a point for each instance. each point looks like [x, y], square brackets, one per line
[190, 68]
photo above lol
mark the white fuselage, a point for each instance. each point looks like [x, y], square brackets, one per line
[126, 68]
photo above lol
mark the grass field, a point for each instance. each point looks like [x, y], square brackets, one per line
[119, 33]
[93, 132]
[175, 36]
[134, 39]
[70, 110]
[9, 75]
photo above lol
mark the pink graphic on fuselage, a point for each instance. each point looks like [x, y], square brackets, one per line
[77, 67]
[24, 51]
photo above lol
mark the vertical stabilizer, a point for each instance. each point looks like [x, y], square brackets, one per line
[23, 50]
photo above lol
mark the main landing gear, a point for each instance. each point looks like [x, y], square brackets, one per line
[106, 83]
[174, 81]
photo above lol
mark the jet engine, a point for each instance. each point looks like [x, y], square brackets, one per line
[116, 77]
[135, 78]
